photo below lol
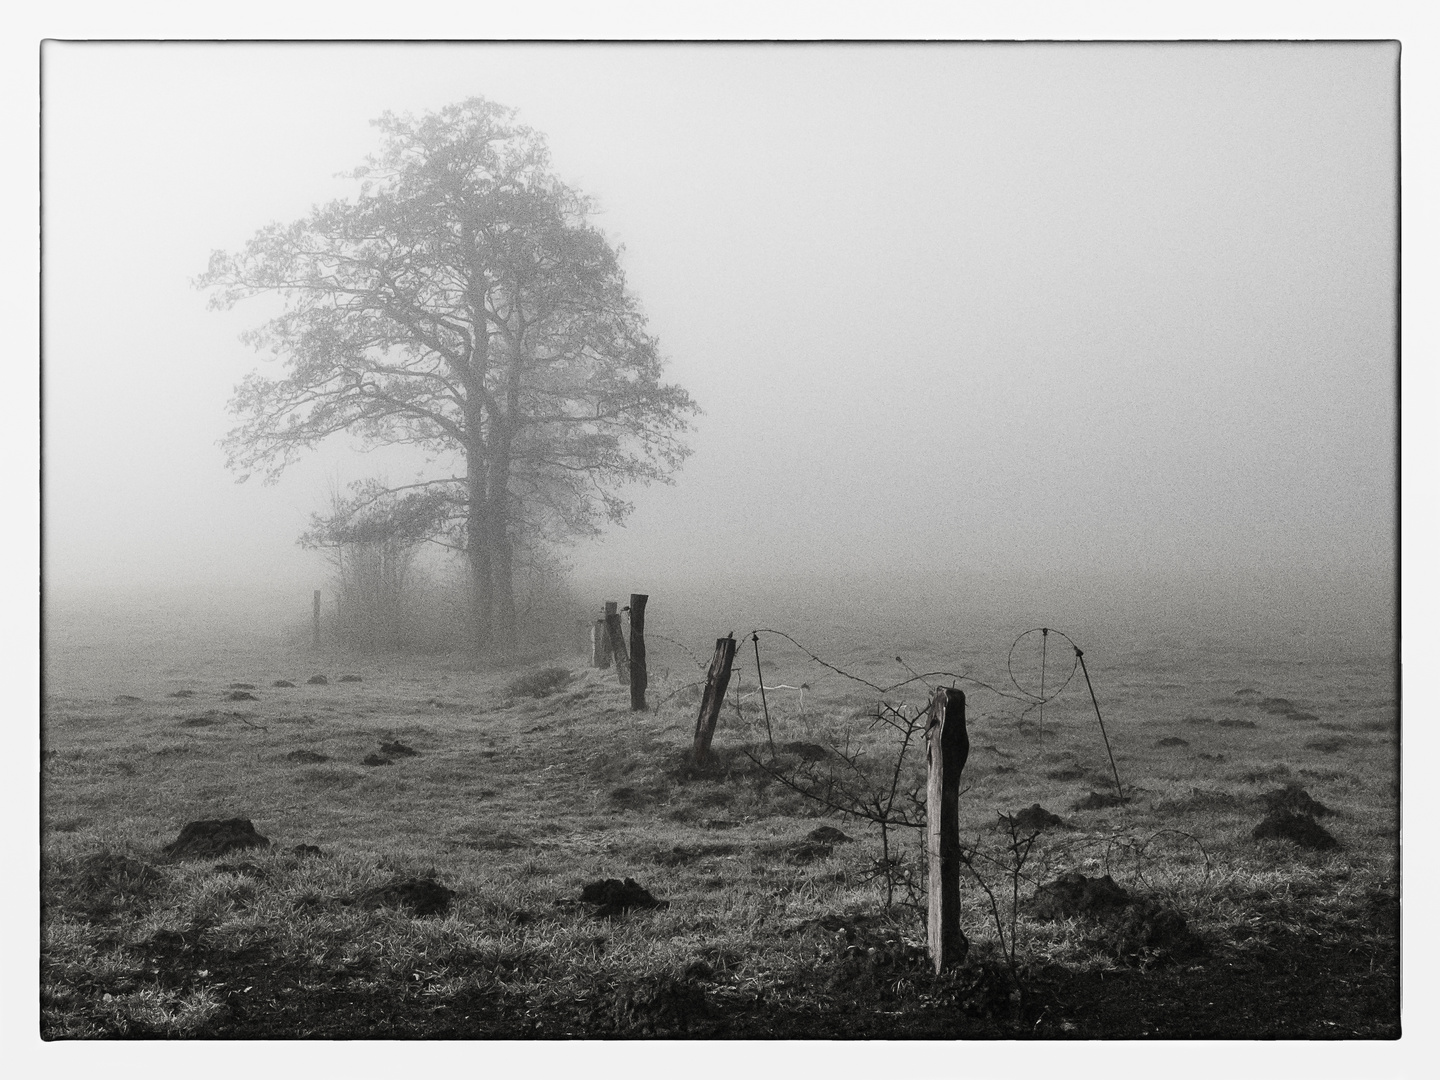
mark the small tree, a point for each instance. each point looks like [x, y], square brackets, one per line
[463, 304]
[372, 545]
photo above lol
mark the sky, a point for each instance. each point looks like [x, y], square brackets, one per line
[1121, 314]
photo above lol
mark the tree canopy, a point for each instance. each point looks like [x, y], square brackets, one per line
[462, 303]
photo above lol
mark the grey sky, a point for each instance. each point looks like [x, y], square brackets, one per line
[1113, 310]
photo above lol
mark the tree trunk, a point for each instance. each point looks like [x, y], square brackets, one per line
[502, 560]
[504, 626]
[477, 552]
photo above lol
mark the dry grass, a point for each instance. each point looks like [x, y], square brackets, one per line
[530, 782]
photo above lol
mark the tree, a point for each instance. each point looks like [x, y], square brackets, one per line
[463, 304]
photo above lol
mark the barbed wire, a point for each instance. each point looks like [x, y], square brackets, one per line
[678, 644]
[915, 676]
[1029, 699]
[1124, 854]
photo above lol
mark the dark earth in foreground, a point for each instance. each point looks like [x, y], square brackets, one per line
[1299, 986]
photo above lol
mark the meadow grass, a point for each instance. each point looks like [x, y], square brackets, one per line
[531, 781]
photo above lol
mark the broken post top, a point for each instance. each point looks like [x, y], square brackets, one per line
[947, 721]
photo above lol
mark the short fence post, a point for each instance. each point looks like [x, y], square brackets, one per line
[639, 676]
[949, 746]
[716, 680]
[315, 636]
[617, 643]
[599, 645]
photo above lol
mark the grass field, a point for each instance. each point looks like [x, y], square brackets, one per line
[516, 800]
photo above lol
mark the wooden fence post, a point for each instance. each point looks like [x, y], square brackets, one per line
[639, 676]
[716, 680]
[315, 638]
[599, 644]
[617, 643]
[949, 746]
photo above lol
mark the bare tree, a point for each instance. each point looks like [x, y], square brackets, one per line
[463, 304]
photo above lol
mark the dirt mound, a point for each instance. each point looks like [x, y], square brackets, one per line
[317, 680]
[1098, 800]
[1296, 799]
[1301, 829]
[1133, 927]
[306, 757]
[183, 693]
[306, 850]
[421, 896]
[828, 834]
[207, 839]
[1075, 894]
[127, 699]
[241, 686]
[1147, 926]
[806, 852]
[1067, 772]
[618, 897]
[538, 684]
[724, 764]
[398, 749]
[805, 751]
[376, 759]
[240, 695]
[350, 678]
[1034, 817]
[282, 682]
[1171, 740]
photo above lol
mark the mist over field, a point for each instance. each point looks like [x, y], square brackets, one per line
[991, 337]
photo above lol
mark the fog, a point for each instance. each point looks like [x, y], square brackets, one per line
[1075, 324]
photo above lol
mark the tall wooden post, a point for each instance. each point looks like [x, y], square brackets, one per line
[716, 680]
[639, 676]
[599, 644]
[617, 643]
[949, 746]
[315, 636]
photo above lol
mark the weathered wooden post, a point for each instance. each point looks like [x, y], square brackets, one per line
[716, 680]
[639, 676]
[617, 643]
[949, 746]
[599, 644]
[315, 637]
